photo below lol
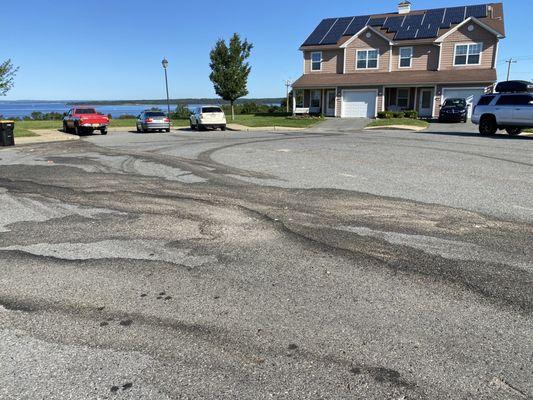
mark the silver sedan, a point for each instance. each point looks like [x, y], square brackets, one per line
[153, 121]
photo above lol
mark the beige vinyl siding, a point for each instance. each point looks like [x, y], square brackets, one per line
[463, 36]
[332, 62]
[425, 58]
[364, 43]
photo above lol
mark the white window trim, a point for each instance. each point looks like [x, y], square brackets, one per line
[410, 59]
[408, 96]
[357, 59]
[467, 53]
[311, 59]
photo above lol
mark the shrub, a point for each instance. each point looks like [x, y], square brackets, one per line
[398, 114]
[181, 112]
[412, 114]
[127, 116]
[385, 114]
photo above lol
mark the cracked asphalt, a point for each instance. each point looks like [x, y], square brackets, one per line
[320, 264]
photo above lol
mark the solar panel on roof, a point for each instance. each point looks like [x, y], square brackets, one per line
[357, 24]
[413, 21]
[320, 31]
[428, 31]
[477, 11]
[393, 24]
[336, 31]
[377, 21]
[454, 15]
[434, 16]
[406, 34]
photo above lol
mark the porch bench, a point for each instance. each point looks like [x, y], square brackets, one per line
[301, 111]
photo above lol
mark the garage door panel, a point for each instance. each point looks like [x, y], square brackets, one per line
[471, 95]
[359, 103]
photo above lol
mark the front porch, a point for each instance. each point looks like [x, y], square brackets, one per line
[322, 101]
[364, 101]
[403, 98]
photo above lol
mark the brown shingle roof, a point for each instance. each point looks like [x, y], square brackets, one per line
[495, 20]
[397, 78]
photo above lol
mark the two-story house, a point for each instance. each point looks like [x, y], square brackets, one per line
[358, 66]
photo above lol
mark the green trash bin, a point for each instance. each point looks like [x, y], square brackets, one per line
[7, 134]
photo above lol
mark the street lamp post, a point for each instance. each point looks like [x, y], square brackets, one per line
[165, 66]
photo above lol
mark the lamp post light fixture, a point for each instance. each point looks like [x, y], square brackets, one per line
[165, 66]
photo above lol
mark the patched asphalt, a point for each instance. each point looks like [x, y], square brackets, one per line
[318, 264]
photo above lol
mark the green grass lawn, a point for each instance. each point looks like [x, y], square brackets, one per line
[24, 128]
[255, 121]
[398, 121]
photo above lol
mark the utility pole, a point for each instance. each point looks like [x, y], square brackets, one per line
[288, 84]
[510, 62]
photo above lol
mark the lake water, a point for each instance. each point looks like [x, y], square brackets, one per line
[20, 109]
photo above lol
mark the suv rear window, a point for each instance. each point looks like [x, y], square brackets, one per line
[516, 100]
[485, 100]
[211, 110]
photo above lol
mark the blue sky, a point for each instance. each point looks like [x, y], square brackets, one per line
[112, 49]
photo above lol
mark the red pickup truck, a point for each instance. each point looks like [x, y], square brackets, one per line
[85, 120]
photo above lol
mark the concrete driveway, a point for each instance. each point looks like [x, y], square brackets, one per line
[341, 125]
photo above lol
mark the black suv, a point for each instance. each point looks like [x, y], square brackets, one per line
[454, 110]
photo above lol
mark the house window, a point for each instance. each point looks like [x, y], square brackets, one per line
[468, 54]
[367, 59]
[406, 57]
[299, 98]
[315, 98]
[402, 98]
[316, 61]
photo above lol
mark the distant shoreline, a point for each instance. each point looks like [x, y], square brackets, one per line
[174, 102]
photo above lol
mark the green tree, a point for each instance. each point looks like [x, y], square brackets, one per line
[7, 77]
[230, 70]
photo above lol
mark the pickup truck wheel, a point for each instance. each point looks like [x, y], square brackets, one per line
[77, 130]
[223, 128]
[103, 131]
[487, 125]
[514, 131]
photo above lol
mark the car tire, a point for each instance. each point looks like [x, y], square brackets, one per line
[138, 129]
[77, 130]
[513, 131]
[200, 127]
[103, 131]
[223, 128]
[167, 130]
[488, 125]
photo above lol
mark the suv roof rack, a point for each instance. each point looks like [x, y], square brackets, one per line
[514, 87]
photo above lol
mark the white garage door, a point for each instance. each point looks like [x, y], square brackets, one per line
[358, 104]
[471, 95]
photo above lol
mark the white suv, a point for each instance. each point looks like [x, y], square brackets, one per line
[510, 111]
[206, 117]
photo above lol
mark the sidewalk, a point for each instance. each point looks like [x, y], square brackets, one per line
[45, 136]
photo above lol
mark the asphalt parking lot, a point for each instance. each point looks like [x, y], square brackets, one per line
[331, 263]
